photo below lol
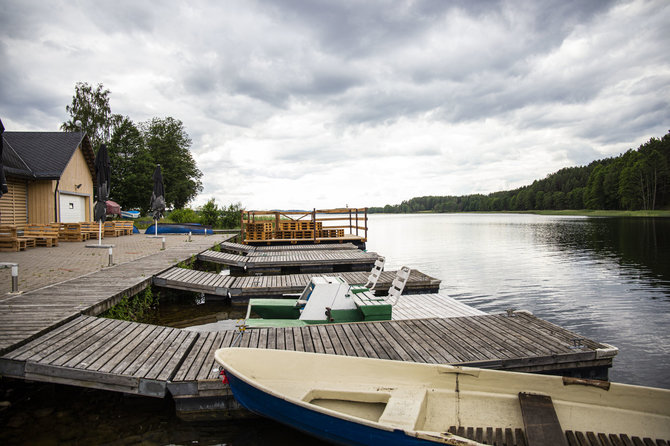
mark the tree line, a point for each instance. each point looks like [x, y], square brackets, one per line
[135, 149]
[635, 180]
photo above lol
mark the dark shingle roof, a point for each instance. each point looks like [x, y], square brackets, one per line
[43, 155]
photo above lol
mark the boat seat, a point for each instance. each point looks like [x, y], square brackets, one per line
[540, 420]
[375, 273]
[398, 285]
[403, 408]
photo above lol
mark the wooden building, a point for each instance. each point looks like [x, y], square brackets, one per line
[50, 177]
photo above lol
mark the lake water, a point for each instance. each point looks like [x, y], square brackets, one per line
[607, 279]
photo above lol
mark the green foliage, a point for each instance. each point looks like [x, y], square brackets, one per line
[134, 150]
[230, 217]
[184, 215]
[91, 108]
[168, 143]
[209, 213]
[135, 308]
[132, 167]
[636, 180]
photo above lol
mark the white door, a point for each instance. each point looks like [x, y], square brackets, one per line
[72, 208]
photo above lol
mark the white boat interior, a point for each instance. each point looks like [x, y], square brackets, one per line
[426, 400]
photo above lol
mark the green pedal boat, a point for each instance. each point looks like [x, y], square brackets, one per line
[327, 299]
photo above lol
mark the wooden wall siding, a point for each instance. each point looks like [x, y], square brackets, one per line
[77, 172]
[13, 204]
[41, 201]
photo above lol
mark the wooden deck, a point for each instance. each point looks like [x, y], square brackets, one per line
[29, 315]
[150, 360]
[236, 248]
[521, 343]
[287, 261]
[241, 288]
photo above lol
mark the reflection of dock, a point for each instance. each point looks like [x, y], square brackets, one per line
[292, 261]
[243, 287]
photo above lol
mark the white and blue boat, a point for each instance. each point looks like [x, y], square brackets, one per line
[364, 401]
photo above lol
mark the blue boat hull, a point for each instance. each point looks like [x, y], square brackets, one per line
[318, 424]
[169, 228]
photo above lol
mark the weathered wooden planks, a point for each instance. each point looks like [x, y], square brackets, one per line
[29, 315]
[251, 250]
[295, 259]
[481, 340]
[103, 353]
[276, 285]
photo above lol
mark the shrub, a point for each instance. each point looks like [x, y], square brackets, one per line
[185, 215]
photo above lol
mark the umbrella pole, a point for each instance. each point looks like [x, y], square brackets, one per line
[99, 232]
[156, 227]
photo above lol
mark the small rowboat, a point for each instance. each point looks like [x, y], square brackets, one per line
[363, 401]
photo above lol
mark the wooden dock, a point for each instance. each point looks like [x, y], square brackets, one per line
[292, 261]
[29, 315]
[244, 287]
[150, 360]
[239, 248]
[52, 335]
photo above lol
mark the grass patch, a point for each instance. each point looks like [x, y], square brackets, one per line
[134, 308]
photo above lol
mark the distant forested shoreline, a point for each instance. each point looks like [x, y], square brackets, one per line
[636, 180]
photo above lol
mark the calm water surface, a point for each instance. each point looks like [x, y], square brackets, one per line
[605, 278]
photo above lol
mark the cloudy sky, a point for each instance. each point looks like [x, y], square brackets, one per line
[302, 104]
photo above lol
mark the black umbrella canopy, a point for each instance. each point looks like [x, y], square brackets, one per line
[103, 172]
[158, 195]
[3, 181]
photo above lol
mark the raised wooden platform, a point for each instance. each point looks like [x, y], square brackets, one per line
[31, 314]
[242, 288]
[292, 261]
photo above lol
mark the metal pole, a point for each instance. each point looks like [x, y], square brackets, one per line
[163, 248]
[189, 236]
[111, 256]
[15, 279]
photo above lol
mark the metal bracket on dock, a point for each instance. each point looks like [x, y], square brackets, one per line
[510, 312]
[577, 343]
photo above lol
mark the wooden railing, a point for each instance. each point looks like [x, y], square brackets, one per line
[314, 225]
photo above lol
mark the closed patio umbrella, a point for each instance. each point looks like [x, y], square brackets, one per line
[103, 172]
[3, 180]
[158, 197]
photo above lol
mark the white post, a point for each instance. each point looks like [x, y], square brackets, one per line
[156, 226]
[99, 232]
[111, 256]
[189, 236]
[163, 243]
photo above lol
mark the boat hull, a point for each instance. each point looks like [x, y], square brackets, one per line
[320, 425]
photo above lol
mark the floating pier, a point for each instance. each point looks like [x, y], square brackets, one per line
[239, 248]
[245, 287]
[150, 360]
[293, 261]
[52, 335]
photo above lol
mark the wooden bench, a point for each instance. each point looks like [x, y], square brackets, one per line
[44, 235]
[10, 241]
[112, 229]
[126, 226]
[71, 232]
[92, 228]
